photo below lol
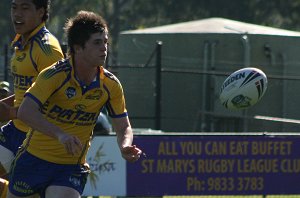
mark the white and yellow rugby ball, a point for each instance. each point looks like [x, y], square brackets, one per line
[243, 88]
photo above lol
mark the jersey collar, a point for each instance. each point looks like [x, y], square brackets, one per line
[94, 84]
[17, 42]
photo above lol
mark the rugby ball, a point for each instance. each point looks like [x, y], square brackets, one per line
[243, 88]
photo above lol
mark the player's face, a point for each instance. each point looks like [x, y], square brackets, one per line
[95, 50]
[25, 17]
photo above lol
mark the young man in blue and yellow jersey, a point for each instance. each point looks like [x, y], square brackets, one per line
[35, 48]
[64, 104]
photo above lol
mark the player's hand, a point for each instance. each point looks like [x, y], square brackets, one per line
[7, 112]
[71, 143]
[131, 153]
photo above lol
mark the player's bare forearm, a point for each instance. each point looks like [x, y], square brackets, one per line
[37, 121]
[123, 131]
[9, 100]
[129, 152]
[7, 112]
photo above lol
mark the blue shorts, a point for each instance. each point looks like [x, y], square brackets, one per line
[11, 137]
[30, 175]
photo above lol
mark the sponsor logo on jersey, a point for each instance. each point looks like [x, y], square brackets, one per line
[22, 82]
[21, 57]
[70, 92]
[80, 107]
[96, 95]
[79, 117]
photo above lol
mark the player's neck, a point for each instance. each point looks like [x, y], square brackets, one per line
[85, 73]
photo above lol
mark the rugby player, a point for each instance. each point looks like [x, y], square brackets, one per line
[35, 48]
[64, 104]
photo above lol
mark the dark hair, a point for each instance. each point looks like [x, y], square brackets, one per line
[43, 4]
[79, 28]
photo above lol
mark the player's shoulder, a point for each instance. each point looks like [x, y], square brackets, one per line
[46, 40]
[45, 36]
[109, 76]
[110, 81]
[60, 68]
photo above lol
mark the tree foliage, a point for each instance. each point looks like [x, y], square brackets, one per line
[134, 14]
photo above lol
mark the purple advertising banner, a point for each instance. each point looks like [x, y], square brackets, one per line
[215, 165]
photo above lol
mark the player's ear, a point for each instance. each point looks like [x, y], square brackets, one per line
[77, 48]
[41, 12]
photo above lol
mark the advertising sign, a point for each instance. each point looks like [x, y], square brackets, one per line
[215, 165]
[108, 168]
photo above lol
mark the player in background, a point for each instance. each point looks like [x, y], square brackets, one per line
[34, 49]
[64, 104]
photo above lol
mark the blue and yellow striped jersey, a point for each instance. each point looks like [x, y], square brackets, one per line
[72, 106]
[41, 50]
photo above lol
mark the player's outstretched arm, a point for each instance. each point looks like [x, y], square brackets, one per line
[37, 121]
[123, 129]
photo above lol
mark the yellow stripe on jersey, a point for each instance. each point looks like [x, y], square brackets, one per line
[73, 107]
[41, 50]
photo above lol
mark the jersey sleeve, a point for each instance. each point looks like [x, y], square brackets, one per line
[116, 105]
[48, 53]
[45, 85]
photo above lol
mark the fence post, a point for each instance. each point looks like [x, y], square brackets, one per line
[158, 86]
